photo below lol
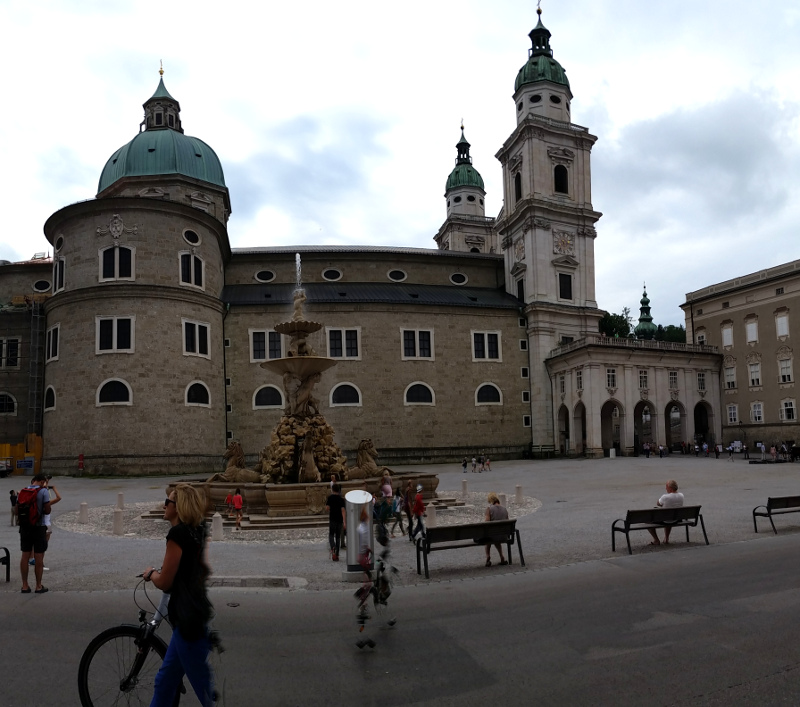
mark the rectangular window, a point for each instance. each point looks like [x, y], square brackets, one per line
[417, 343]
[51, 343]
[786, 370]
[567, 339]
[642, 379]
[727, 335]
[344, 343]
[59, 266]
[191, 270]
[523, 322]
[787, 410]
[564, 286]
[196, 338]
[523, 344]
[701, 381]
[526, 396]
[756, 412]
[265, 344]
[733, 414]
[485, 345]
[778, 290]
[673, 380]
[116, 263]
[752, 331]
[579, 380]
[730, 377]
[782, 325]
[524, 372]
[562, 384]
[755, 374]
[9, 353]
[725, 305]
[701, 338]
[611, 377]
[526, 420]
[114, 334]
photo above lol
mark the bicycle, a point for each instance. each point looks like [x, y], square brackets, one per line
[378, 588]
[119, 666]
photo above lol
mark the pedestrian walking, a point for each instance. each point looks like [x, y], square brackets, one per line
[13, 495]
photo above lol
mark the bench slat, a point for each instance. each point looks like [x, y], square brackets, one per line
[646, 518]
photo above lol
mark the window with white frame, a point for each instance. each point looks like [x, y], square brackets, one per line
[116, 263]
[417, 343]
[49, 398]
[526, 396]
[756, 412]
[8, 405]
[642, 378]
[488, 394]
[114, 391]
[59, 268]
[701, 380]
[611, 377]
[526, 420]
[787, 412]
[733, 414]
[197, 395]
[727, 335]
[51, 343]
[486, 346]
[195, 338]
[755, 374]
[782, 324]
[564, 286]
[419, 394]
[344, 343]
[9, 353]
[751, 328]
[579, 379]
[114, 334]
[730, 376]
[345, 394]
[192, 270]
[673, 380]
[701, 337]
[524, 372]
[268, 396]
[265, 344]
[785, 370]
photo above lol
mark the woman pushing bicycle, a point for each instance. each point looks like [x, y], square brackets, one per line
[183, 574]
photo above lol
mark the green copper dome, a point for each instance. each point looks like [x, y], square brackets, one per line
[645, 329]
[541, 66]
[463, 174]
[162, 148]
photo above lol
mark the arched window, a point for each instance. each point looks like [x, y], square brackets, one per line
[561, 179]
[345, 394]
[517, 186]
[419, 394]
[197, 394]
[50, 398]
[8, 404]
[268, 397]
[114, 392]
[488, 394]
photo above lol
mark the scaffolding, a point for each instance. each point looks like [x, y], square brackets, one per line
[36, 369]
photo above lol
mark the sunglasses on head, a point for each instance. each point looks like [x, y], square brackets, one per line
[167, 501]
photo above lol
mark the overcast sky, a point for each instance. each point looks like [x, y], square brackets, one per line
[336, 123]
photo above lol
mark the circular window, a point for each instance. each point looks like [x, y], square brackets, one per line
[458, 278]
[397, 275]
[536, 99]
[519, 106]
[265, 276]
[41, 285]
[555, 99]
[191, 237]
[470, 198]
[457, 199]
[59, 243]
[332, 274]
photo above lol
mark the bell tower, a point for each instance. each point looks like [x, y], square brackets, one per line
[547, 226]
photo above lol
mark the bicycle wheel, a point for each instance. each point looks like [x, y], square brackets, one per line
[106, 672]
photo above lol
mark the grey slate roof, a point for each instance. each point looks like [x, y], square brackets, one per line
[368, 292]
[280, 250]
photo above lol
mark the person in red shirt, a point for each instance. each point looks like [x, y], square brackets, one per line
[238, 505]
[419, 510]
[229, 504]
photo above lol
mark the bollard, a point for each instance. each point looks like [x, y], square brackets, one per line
[464, 488]
[519, 495]
[430, 520]
[121, 501]
[216, 527]
[83, 513]
[502, 498]
[117, 521]
[612, 454]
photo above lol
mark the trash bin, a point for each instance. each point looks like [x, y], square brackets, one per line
[354, 501]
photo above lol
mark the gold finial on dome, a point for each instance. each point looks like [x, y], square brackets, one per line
[462, 125]
[161, 69]
[538, 8]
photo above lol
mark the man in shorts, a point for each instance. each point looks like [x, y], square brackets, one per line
[33, 539]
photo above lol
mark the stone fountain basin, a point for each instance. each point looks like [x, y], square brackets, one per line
[300, 366]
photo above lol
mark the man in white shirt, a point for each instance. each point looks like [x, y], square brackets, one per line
[671, 499]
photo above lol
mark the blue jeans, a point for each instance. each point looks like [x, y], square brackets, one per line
[189, 658]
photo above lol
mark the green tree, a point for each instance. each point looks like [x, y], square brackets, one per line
[614, 325]
[671, 333]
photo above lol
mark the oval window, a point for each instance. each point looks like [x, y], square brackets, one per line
[470, 198]
[41, 285]
[265, 276]
[331, 274]
[457, 199]
[458, 278]
[397, 275]
[519, 106]
[536, 98]
[555, 99]
[191, 237]
[59, 243]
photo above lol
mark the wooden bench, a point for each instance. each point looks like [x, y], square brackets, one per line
[777, 506]
[687, 516]
[6, 560]
[451, 537]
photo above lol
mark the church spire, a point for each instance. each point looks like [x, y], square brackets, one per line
[645, 329]
[161, 110]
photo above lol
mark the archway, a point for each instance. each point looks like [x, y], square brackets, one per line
[674, 424]
[644, 419]
[703, 419]
[563, 430]
[611, 415]
[579, 429]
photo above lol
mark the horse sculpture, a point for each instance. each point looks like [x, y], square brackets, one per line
[236, 472]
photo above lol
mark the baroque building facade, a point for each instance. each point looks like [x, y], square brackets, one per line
[139, 344]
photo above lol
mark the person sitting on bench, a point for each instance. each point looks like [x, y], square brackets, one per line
[495, 512]
[671, 499]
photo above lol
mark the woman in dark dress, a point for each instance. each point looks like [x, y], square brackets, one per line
[183, 574]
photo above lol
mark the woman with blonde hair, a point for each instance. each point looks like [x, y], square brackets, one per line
[494, 512]
[184, 573]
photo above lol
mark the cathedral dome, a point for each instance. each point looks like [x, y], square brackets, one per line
[464, 174]
[162, 148]
[540, 65]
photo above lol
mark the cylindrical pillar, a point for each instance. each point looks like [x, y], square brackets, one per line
[117, 521]
[83, 513]
[121, 501]
[464, 488]
[430, 519]
[355, 501]
[518, 499]
[216, 527]
[502, 498]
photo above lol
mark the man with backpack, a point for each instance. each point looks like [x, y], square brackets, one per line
[33, 503]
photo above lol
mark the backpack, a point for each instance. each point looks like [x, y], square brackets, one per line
[27, 508]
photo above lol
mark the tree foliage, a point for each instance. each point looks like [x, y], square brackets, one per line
[671, 333]
[614, 325]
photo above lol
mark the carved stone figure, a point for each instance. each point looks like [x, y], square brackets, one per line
[236, 472]
[366, 467]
